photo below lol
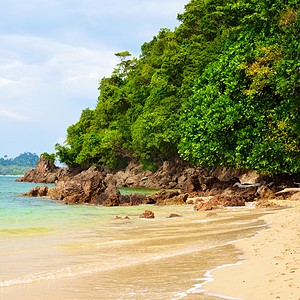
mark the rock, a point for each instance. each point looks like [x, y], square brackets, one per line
[226, 174]
[34, 192]
[250, 177]
[85, 187]
[197, 200]
[112, 200]
[248, 194]
[220, 202]
[174, 216]
[120, 218]
[43, 191]
[191, 184]
[176, 200]
[44, 172]
[296, 197]
[148, 214]
[265, 193]
[163, 195]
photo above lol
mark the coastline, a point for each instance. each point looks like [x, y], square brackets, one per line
[270, 269]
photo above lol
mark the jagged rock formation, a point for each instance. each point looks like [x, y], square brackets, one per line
[194, 185]
[44, 172]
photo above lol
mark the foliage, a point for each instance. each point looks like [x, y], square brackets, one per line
[222, 89]
[18, 165]
[51, 157]
[244, 111]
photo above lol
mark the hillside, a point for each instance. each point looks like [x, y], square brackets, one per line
[18, 165]
[222, 89]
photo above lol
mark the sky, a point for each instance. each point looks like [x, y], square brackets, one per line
[53, 54]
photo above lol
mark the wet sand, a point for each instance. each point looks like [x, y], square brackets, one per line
[271, 269]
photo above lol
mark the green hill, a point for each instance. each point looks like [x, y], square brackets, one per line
[19, 165]
[221, 89]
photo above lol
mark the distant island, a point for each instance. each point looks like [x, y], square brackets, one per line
[18, 165]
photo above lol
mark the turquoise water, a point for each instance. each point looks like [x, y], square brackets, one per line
[53, 251]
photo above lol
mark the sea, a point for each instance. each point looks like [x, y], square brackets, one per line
[53, 251]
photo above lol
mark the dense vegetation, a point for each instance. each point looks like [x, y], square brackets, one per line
[222, 89]
[19, 165]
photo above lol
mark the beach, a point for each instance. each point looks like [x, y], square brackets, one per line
[54, 251]
[272, 261]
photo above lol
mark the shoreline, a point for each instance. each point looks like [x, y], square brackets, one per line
[269, 267]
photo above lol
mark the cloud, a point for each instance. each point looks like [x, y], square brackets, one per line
[4, 81]
[12, 115]
[54, 53]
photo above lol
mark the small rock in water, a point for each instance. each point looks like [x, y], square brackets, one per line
[174, 216]
[148, 214]
[120, 218]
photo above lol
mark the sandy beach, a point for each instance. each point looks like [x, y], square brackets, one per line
[272, 261]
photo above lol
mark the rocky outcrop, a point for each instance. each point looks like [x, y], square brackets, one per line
[191, 185]
[44, 172]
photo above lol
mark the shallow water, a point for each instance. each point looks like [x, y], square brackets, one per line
[54, 251]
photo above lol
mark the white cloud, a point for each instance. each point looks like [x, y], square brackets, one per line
[54, 53]
[4, 81]
[12, 115]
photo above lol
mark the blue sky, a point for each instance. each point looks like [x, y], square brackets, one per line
[53, 54]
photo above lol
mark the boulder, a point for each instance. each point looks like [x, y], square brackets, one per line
[226, 174]
[248, 194]
[250, 177]
[148, 214]
[85, 187]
